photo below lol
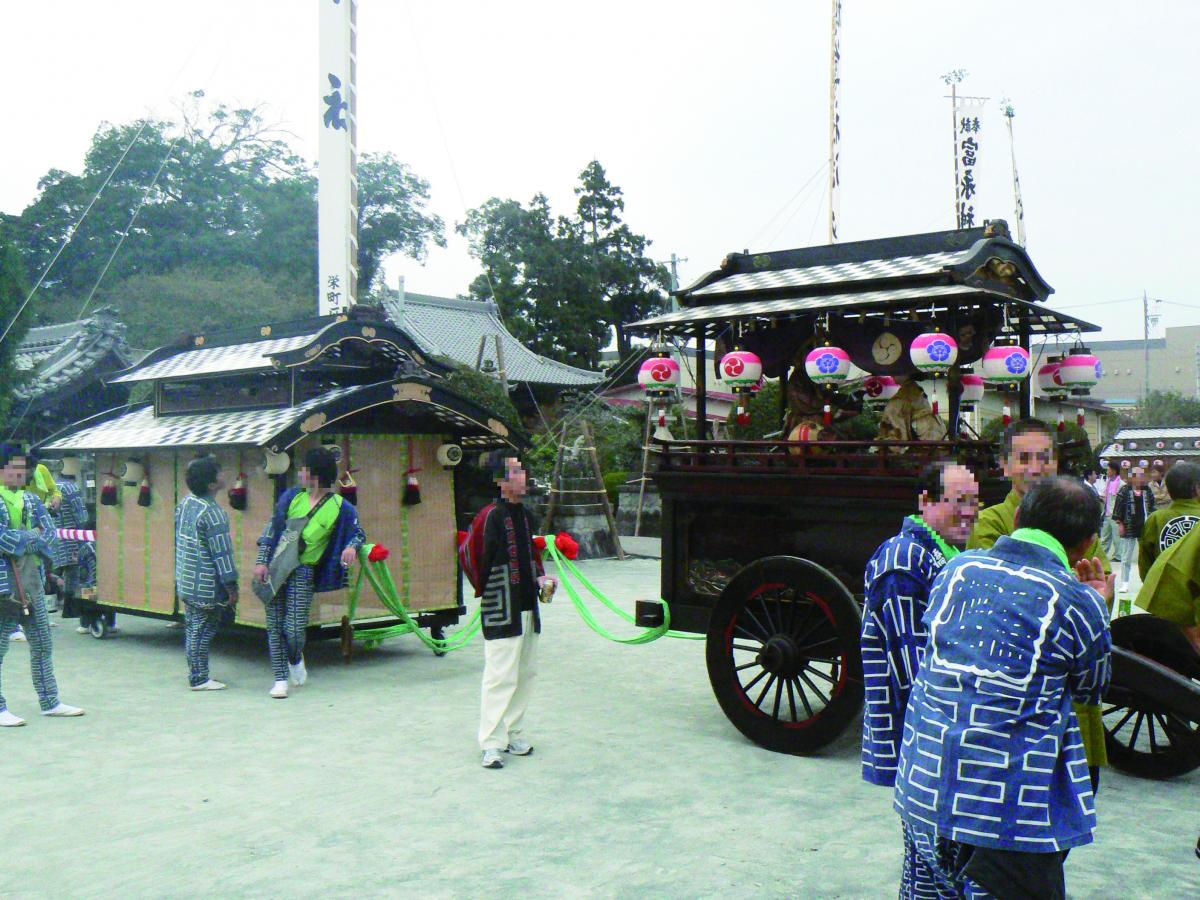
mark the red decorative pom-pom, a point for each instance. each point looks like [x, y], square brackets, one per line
[540, 543]
[378, 553]
[567, 545]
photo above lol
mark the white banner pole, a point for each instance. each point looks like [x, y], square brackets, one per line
[337, 186]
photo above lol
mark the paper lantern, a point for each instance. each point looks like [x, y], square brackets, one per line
[933, 352]
[1158, 462]
[1050, 379]
[880, 388]
[827, 365]
[1132, 445]
[1080, 372]
[741, 370]
[1159, 445]
[1143, 463]
[1178, 445]
[972, 391]
[133, 473]
[659, 376]
[1005, 364]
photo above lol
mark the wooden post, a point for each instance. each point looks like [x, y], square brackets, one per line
[1026, 383]
[637, 525]
[479, 355]
[608, 513]
[701, 383]
[548, 518]
[500, 363]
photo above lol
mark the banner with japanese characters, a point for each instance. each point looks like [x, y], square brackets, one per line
[337, 190]
[835, 121]
[968, 116]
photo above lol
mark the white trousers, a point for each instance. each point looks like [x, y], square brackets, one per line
[509, 670]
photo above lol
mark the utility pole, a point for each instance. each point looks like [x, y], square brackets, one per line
[672, 303]
[1145, 345]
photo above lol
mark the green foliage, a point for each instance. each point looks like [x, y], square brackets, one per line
[484, 390]
[1075, 457]
[1161, 408]
[992, 430]
[764, 415]
[231, 194]
[862, 427]
[12, 294]
[563, 284]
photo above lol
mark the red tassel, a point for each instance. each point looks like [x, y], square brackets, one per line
[539, 543]
[743, 417]
[1007, 416]
[828, 415]
[237, 493]
[144, 492]
[412, 489]
[1079, 419]
[566, 545]
[378, 553]
[108, 493]
[935, 406]
[662, 418]
[1062, 423]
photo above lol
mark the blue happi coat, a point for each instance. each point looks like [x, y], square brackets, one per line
[71, 513]
[992, 754]
[329, 574]
[38, 536]
[897, 582]
[204, 564]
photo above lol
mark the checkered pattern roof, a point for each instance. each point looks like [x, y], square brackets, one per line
[871, 270]
[212, 360]
[140, 429]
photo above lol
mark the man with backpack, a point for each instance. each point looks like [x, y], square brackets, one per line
[505, 568]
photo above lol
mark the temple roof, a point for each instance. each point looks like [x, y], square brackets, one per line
[62, 360]
[455, 329]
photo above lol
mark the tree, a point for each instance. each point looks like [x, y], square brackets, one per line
[13, 290]
[1162, 408]
[630, 284]
[230, 193]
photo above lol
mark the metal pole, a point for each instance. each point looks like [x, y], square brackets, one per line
[637, 525]
[1145, 345]
[701, 385]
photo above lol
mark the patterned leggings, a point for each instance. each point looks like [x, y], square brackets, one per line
[287, 620]
[201, 624]
[41, 661]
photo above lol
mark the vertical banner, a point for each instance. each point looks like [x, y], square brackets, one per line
[967, 116]
[337, 190]
[1018, 204]
[835, 125]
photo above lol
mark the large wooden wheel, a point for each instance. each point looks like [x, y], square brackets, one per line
[783, 654]
[1144, 733]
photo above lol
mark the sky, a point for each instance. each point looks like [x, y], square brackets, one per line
[712, 117]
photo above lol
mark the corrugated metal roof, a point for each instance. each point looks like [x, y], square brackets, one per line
[454, 329]
[139, 429]
[247, 357]
[1165, 433]
[870, 270]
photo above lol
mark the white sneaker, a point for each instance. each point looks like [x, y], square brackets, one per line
[518, 747]
[8, 720]
[1125, 588]
[209, 685]
[492, 759]
[297, 674]
[279, 690]
[82, 629]
[61, 710]
[53, 624]
[18, 636]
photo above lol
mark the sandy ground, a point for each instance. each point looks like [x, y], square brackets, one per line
[367, 782]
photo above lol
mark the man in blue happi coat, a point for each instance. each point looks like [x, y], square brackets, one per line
[897, 583]
[993, 784]
[206, 577]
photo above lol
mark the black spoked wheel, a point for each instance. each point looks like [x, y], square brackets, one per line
[783, 654]
[1143, 737]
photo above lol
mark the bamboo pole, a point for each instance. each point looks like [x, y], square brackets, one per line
[608, 513]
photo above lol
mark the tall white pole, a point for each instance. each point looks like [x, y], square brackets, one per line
[954, 79]
[337, 187]
[835, 125]
[1019, 208]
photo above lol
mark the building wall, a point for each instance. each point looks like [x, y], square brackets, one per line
[1173, 365]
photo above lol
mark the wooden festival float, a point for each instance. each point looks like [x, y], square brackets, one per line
[258, 399]
[765, 542]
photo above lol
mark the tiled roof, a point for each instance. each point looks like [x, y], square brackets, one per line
[867, 270]
[62, 357]
[454, 329]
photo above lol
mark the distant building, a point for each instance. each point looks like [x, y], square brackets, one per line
[1148, 446]
[1174, 366]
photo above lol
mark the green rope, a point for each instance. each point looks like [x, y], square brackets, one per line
[566, 566]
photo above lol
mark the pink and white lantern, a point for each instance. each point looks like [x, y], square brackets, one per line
[1050, 378]
[880, 389]
[933, 352]
[972, 391]
[659, 377]
[741, 371]
[828, 365]
[1005, 364]
[1080, 372]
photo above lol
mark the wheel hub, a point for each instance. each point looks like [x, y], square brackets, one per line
[781, 656]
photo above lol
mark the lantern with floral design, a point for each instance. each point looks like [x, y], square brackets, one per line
[828, 365]
[659, 377]
[879, 389]
[1080, 371]
[1005, 365]
[933, 352]
[741, 371]
[1050, 379]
